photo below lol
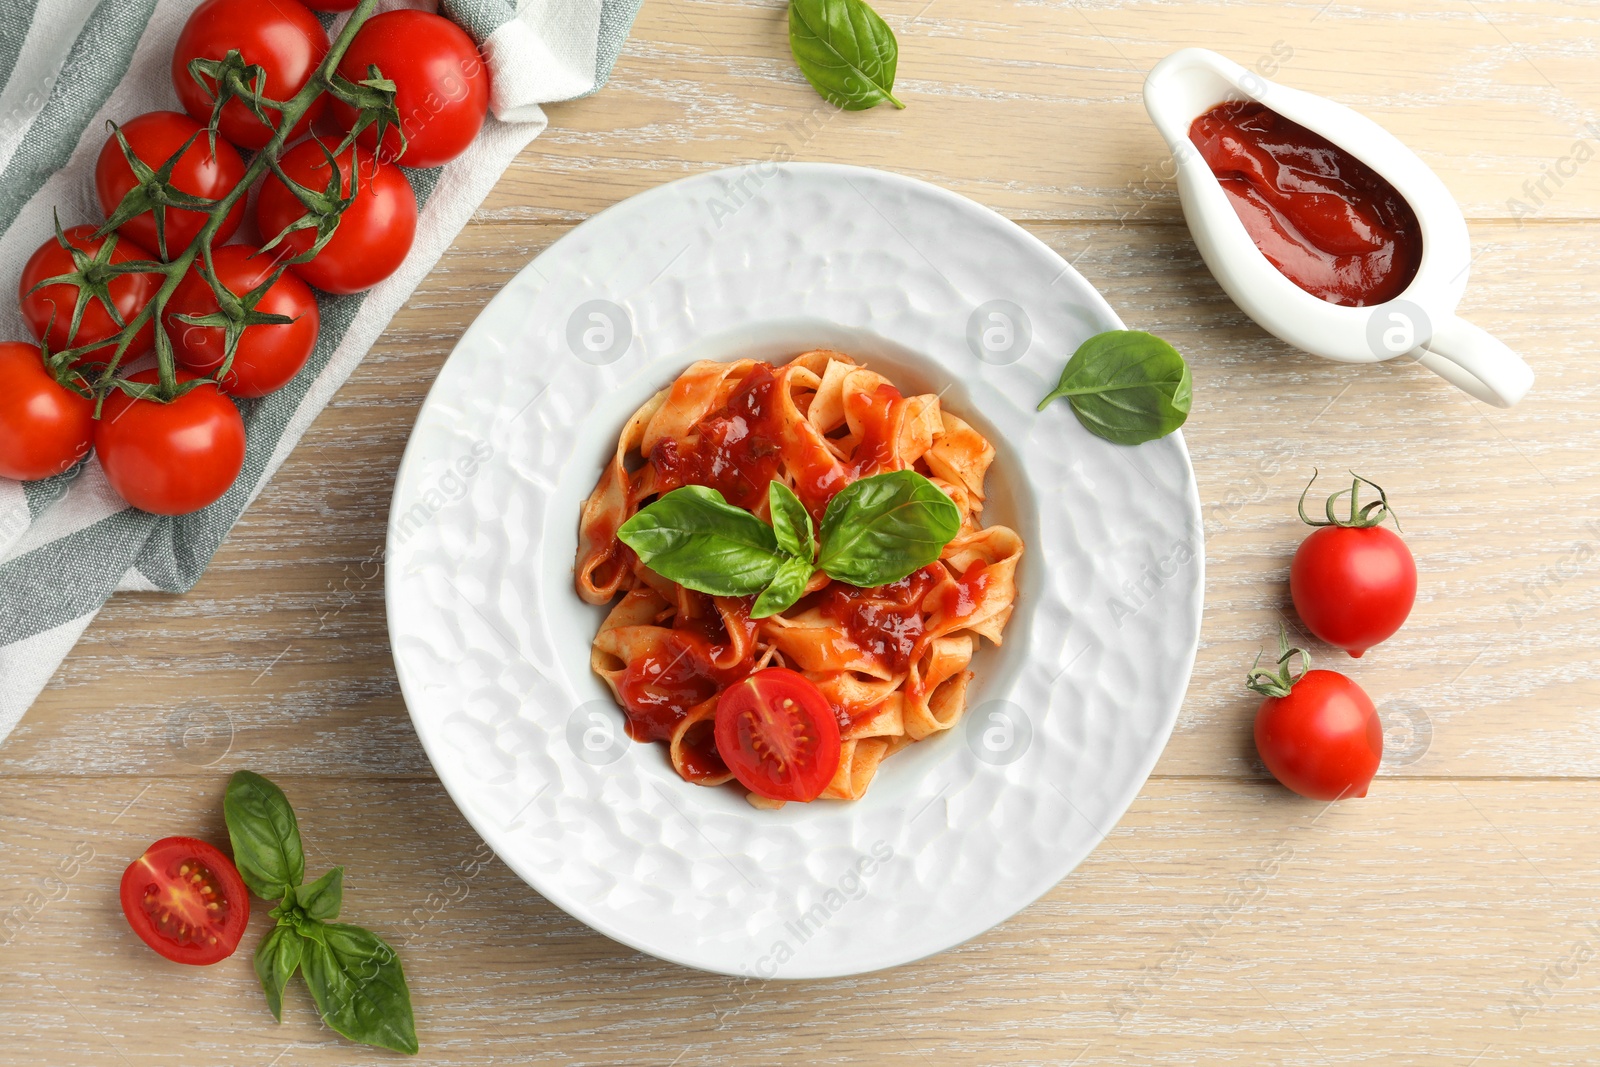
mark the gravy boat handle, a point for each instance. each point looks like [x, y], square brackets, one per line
[1474, 360]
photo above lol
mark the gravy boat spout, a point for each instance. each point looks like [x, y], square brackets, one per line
[1419, 323]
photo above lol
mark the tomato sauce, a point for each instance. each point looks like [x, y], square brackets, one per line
[1326, 220]
[874, 453]
[701, 760]
[884, 622]
[738, 447]
[964, 595]
[659, 689]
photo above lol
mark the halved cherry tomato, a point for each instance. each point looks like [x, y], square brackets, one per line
[170, 459]
[374, 233]
[269, 354]
[441, 85]
[45, 427]
[155, 137]
[283, 38]
[48, 311]
[185, 899]
[778, 735]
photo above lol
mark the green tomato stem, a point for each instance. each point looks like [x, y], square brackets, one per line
[293, 110]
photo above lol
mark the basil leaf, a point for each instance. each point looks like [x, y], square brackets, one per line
[321, 899]
[694, 537]
[791, 522]
[1126, 386]
[882, 528]
[359, 986]
[264, 834]
[787, 586]
[277, 958]
[845, 50]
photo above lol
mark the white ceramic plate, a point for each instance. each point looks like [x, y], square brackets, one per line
[958, 832]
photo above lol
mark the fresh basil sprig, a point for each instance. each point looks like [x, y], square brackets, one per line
[699, 540]
[1126, 386]
[882, 528]
[353, 975]
[358, 985]
[846, 52]
[265, 836]
[875, 530]
[791, 528]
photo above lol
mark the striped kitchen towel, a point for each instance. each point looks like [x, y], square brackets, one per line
[67, 66]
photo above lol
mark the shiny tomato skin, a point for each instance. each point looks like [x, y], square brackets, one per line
[332, 5]
[1324, 740]
[48, 311]
[45, 428]
[283, 38]
[778, 735]
[374, 233]
[170, 459]
[185, 899]
[268, 355]
[154, 137]
[441, 85]
[1353, 587]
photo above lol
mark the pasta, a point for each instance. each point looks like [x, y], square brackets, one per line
[892, 661]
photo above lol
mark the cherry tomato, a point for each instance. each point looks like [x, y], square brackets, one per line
[45, 427]
[441, 85]
[155, 137]
[778, 735]
[332, 5]
[185, 899]
[283, 38]
[374, 233]
[1317, 731]
[1352, 586]
[1353, 581]
[1323, 740]
[48, 311]
[170, 459]
[268, 354]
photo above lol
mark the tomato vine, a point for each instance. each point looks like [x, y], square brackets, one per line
[374, 100]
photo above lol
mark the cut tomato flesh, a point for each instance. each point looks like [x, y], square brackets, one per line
[778, 735]
[185, 899]
[183, 905]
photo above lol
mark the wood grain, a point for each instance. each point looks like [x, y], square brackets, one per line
[1441, 919]
[1441, 922]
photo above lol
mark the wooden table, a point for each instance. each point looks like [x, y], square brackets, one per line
[1446, 918]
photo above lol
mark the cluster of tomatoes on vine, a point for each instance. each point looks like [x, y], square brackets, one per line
[1353, 582]
[318, 128]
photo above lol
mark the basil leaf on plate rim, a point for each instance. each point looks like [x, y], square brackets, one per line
[845, 50]
[1126, 386]
[354, 976]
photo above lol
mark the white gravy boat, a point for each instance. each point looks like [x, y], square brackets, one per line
[1420, 323]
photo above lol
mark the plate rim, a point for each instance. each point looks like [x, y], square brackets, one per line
[559, 897]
